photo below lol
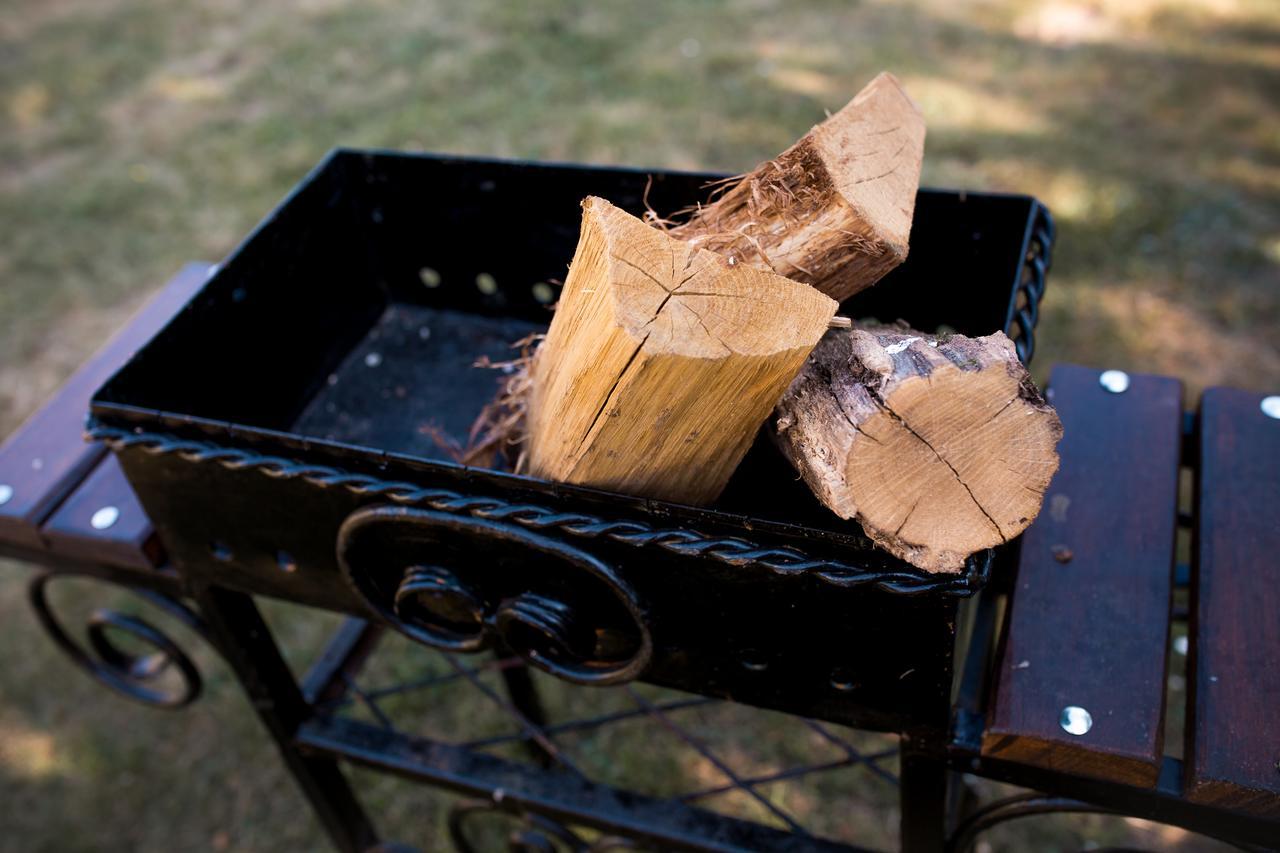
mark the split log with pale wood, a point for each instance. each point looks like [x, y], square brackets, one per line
[662, 361]
[672, 345]
[938, 446]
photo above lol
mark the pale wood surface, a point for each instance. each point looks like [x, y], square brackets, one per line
[834, 210]
[662, 361]
[939, 447]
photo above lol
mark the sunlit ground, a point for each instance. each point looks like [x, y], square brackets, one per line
[135, 136]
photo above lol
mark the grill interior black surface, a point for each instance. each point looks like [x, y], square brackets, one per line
[311, 329]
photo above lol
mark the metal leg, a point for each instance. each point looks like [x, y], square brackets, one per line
[236, 628]
[524, 696]
[923, 801]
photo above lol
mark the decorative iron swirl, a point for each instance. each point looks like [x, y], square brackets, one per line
[1031, 804]
[1012, 808]
[131, 674]
[730, 550]
[526, 831]
[561, 608]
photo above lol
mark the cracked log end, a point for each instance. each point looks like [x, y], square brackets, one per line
[662, 361]
[834, 210]
[938, 447]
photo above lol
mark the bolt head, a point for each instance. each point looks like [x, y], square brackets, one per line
[1271, 406]
[1075, 720]
[6, 493]
[1115, 381]
[104, 518]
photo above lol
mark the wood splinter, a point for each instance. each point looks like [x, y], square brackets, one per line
[938, 446]
[834, 210]
[662, 361]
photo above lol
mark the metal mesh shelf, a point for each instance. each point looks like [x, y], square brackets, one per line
[487, 725]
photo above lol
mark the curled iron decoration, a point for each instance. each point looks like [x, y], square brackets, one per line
[1011, 808]
[526, 831]
[1029, 804]
[563, 610]
[135, 675]
[733, 551]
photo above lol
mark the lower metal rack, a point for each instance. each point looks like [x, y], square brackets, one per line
[538, 760]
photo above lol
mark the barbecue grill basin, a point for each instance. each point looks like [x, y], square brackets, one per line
[294, 410]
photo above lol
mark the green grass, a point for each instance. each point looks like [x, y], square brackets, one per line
[134, 136]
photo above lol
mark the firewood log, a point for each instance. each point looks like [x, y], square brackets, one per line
[834, 210]
[662, 361]
[938, 446]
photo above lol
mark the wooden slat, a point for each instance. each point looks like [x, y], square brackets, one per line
[47, 457]
[1234, 733]
[129, 540]
[1088, 622]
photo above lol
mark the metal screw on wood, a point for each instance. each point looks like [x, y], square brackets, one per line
[104, 518]
[1075, 720]
[1115, 381]
[1271, 406]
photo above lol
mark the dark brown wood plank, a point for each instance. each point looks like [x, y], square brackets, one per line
[1234, 667]
[1088, 622]
[47, 457]
[102, 522]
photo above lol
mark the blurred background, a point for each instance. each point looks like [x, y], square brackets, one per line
[138, 135]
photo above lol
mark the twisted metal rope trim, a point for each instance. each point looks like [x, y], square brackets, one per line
[1040, 257]
[730, 550]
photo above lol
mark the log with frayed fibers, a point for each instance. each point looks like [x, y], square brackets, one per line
[834, 210]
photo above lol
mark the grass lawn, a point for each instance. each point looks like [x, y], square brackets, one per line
[134, 136]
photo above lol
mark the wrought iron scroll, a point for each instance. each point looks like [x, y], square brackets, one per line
[525, 830]
[1031, 804]
[733, 551]
[1012, 808]
[598, 635]
[135, 675]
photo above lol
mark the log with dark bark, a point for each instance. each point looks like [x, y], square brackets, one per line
[938, 446]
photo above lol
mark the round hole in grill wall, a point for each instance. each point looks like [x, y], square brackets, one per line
[544, 293]
[221, 551]
[842, 680]
[286, 562]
